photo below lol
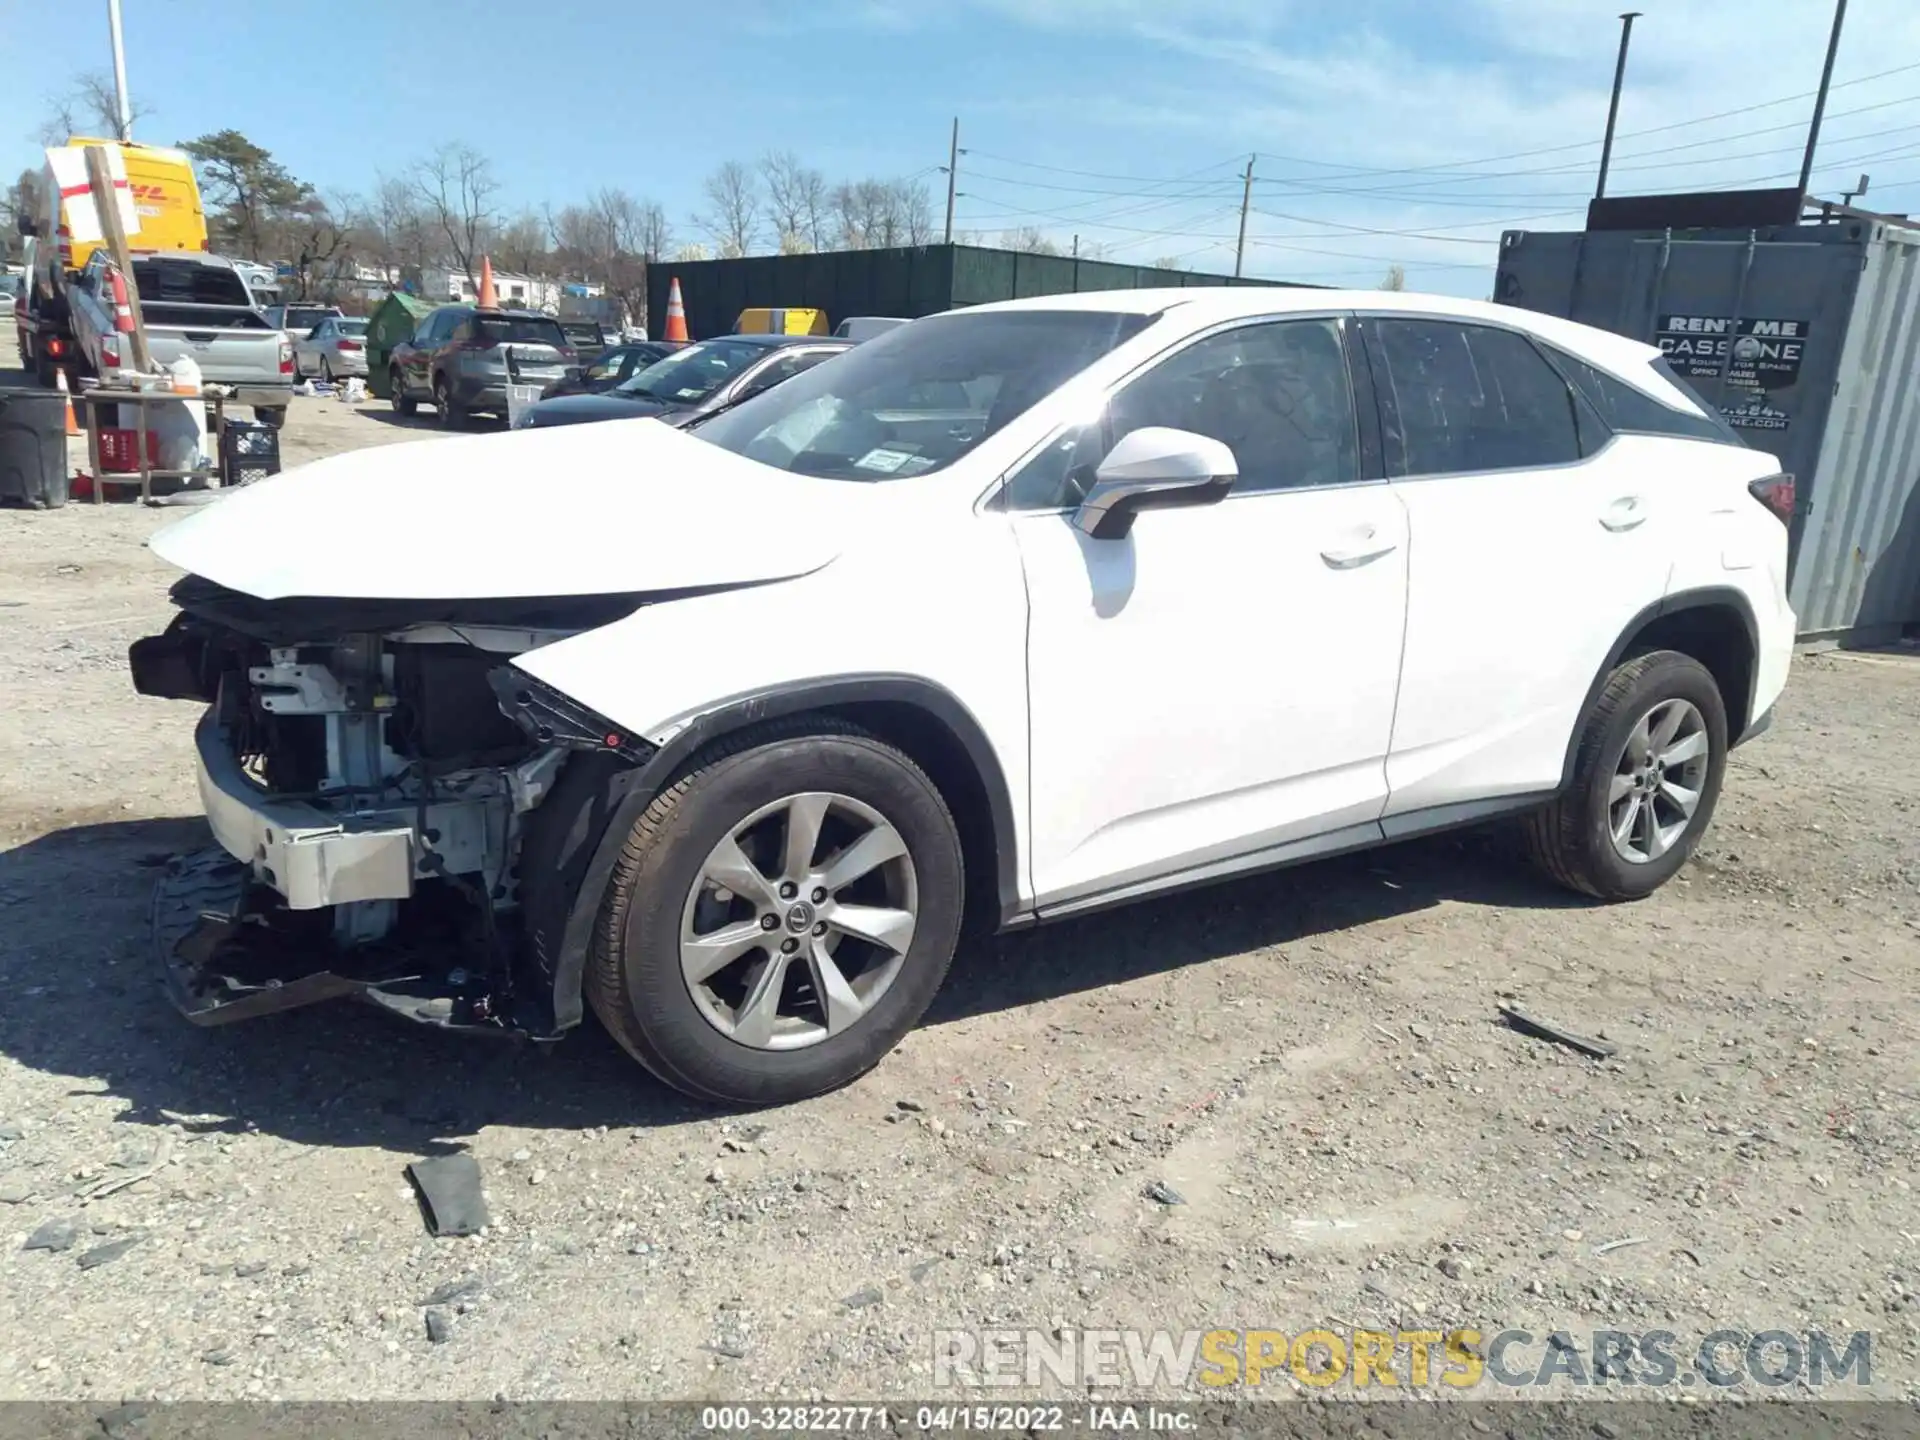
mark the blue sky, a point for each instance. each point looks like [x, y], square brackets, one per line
[1386, 131]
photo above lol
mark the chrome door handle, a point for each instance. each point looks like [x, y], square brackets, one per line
[1624, 513]
[1353, 559]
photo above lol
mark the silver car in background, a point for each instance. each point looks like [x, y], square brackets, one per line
[335, 349]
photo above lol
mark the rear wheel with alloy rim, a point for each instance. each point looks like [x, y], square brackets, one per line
[1647, 772]
[780, 916]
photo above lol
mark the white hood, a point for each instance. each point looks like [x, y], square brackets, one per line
[617, 507]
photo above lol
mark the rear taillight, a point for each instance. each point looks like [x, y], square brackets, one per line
[1776, 493]
[286, 357]
[346, 345]
[56, 347]
[110, 352]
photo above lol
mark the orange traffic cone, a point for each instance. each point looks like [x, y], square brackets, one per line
[122, 309]
[488, 300]
[60, 379]
[676, 315]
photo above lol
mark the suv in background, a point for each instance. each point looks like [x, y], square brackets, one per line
[586, 337]
[462, 359]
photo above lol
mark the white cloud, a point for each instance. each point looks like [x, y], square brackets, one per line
[1380, 85]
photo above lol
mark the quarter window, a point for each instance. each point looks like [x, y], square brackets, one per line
[1467, 398]
[1626, 409]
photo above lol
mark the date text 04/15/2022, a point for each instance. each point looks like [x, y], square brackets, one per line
[943, 1419]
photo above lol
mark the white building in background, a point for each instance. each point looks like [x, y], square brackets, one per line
[514, 291]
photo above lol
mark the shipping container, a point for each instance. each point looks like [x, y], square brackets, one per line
[1807, 338]
[910, 282]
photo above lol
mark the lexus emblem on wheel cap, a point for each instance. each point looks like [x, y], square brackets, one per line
[799, 918]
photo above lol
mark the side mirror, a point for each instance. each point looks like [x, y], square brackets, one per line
[1154, 468]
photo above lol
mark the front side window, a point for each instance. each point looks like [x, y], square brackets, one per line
[1467, 398]
[1276, 394]
[919, 397]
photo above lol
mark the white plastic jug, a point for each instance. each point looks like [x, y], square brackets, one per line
[179, 427]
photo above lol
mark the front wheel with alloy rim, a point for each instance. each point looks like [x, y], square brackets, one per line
[403, 403]
[1646, 774]
[779, 916]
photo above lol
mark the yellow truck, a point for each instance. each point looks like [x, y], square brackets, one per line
[165, 196]
[781, 322]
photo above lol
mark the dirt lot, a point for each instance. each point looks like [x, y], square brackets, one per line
[1312, 1061]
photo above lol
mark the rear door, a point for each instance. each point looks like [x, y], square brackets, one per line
[1535, 539]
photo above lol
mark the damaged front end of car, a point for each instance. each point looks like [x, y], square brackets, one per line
[369, 769]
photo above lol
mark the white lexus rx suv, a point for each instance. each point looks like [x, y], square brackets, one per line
[1009, 614]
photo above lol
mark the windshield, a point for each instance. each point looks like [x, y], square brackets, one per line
[920, 396]
[689, 376]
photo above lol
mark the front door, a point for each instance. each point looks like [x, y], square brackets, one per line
[1217, 687]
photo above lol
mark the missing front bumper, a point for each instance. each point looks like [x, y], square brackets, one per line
[228, 950]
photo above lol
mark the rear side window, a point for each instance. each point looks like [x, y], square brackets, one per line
[1465, 398]
[1630, 411]
[185, 283]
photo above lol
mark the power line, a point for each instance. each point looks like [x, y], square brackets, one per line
[1348, 170]
[1626, 135]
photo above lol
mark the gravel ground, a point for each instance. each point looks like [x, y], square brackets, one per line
[1312, 1062]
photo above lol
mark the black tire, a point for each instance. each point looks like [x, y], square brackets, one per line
[274, 416]
[326, 370]
[634, 980]
[453, 415]
[1569, 839]
[404, 405]
[45, 372]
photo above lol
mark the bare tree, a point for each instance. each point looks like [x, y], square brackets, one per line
[796, 201]
[316, 234]
[1396, 278]
[732, 216]
[391, 229]
[1170, 262]
[521, 243]
[25, 199]
[1031, 239]
[88, 106]
[863, 214]
[457, 187]
[912, 212]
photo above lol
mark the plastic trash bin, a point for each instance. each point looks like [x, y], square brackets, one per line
[33, 448]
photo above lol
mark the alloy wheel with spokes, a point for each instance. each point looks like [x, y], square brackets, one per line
[1658, 780]
[1647, 767]
[799, 921]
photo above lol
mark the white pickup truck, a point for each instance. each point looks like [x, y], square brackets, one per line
[196, 305]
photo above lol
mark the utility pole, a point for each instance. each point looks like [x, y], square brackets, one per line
[953, 174]
[1613, 104]
[1246, 200]
[1076, 247]
[1820, 101]
[125, 111]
